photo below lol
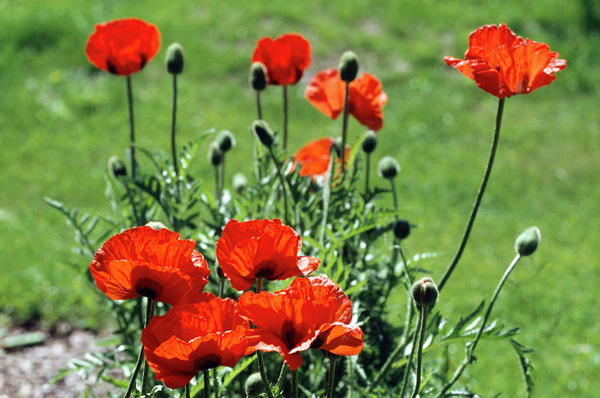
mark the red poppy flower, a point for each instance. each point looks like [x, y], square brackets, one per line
[311, 313]
[261, 249]
[326, 92]
[122, 46]
[194, 337]
[286, 58]
[504, 64]
[314, 158]
[143, 261]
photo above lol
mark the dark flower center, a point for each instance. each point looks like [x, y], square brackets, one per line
[317, 343]
[289, 335]
[266, 269]
[148, 288]
[207, 361]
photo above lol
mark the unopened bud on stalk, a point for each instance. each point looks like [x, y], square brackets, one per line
[174, 59]
[254, 385]
[226, 140]
[240, 182]
[528, 241]
[369, 142]
[388, 167]
[424, 292]
[258, 76]
[157, 225]
[116, 167]
[348, 66]
[402, 229]
[214, 154]
[263, 132]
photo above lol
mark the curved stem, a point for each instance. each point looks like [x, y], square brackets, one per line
[258, 105]
[282, 181]
[173, 123]
[471, 348]
[263, 374]
[409, 362]
[131, 128]
[344, 128]
[484, 182]
[136, 370]
[422, 323]
[149, 314]
[285, 117]
[330, 378]
[132, 202]
[327, 195]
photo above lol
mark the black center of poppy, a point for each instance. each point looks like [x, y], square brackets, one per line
[143, 60]
[207, 361]
[148, 288]
[111, 68]
[266, 269]
[317, 343]
[289, 335]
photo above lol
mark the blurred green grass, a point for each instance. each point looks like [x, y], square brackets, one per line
[61, 120]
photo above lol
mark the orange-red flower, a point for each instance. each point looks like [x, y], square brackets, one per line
[286, 58]
[314, 158]
[311, 313]
[261, 249]
[326, 92]
[123, 46]
[503, 64]
[194, 337]
[143, 261]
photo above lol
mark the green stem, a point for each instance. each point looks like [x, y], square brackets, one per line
[330, 378]
[285, 117]
[131, 128]
[295, 384]
[173, 123]
[132, 202]
[187, 390]
[344, 128]
[282, 182]
[149, 314]
[471, 348]
[258, 105]
[223, 172]
[367, 172]
[409, 362]
[263, 374]
[484, 182]
[327, 195]
[215, 382]
[206, 383]
[422, 323]
[217, 187]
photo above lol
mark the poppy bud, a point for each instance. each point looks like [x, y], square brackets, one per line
[240, 182]
[263, 132]
[174, 59]
[258, 76]
[254, 385]
[369, 141]
[116, 167]
[348, 66]
[225, 140]
[157, 225]
[528, 241]
[402, 229]
[214, 154]
[424, 292]
[388, 167]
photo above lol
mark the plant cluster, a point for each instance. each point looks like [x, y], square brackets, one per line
[287, 272]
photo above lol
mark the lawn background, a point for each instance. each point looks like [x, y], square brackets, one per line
[61, 120]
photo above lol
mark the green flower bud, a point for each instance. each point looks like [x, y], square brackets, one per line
[263, 132]
[240, 182]
[348, 66]
[226, 140]
[116, 167]
[369, 142]
[174, 59]
[214, 154]
[157, 225]
[402, 229]
[528, 241]
[258, 76]
[254, 385]
[424, 293]
[388, 167]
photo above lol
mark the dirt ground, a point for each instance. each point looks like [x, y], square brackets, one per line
[26, 372]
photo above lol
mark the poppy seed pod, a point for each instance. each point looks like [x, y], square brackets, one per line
[240, 182]
[424, 292]
[174, 59]
[116, 167]
[254, 385]
[528, 241]
[402, 229]
[369, 142]
[263, 132]
[258, 76]
[348, 66]
[214, 154]
[388, 167]
[157, 225]
[225, 140]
